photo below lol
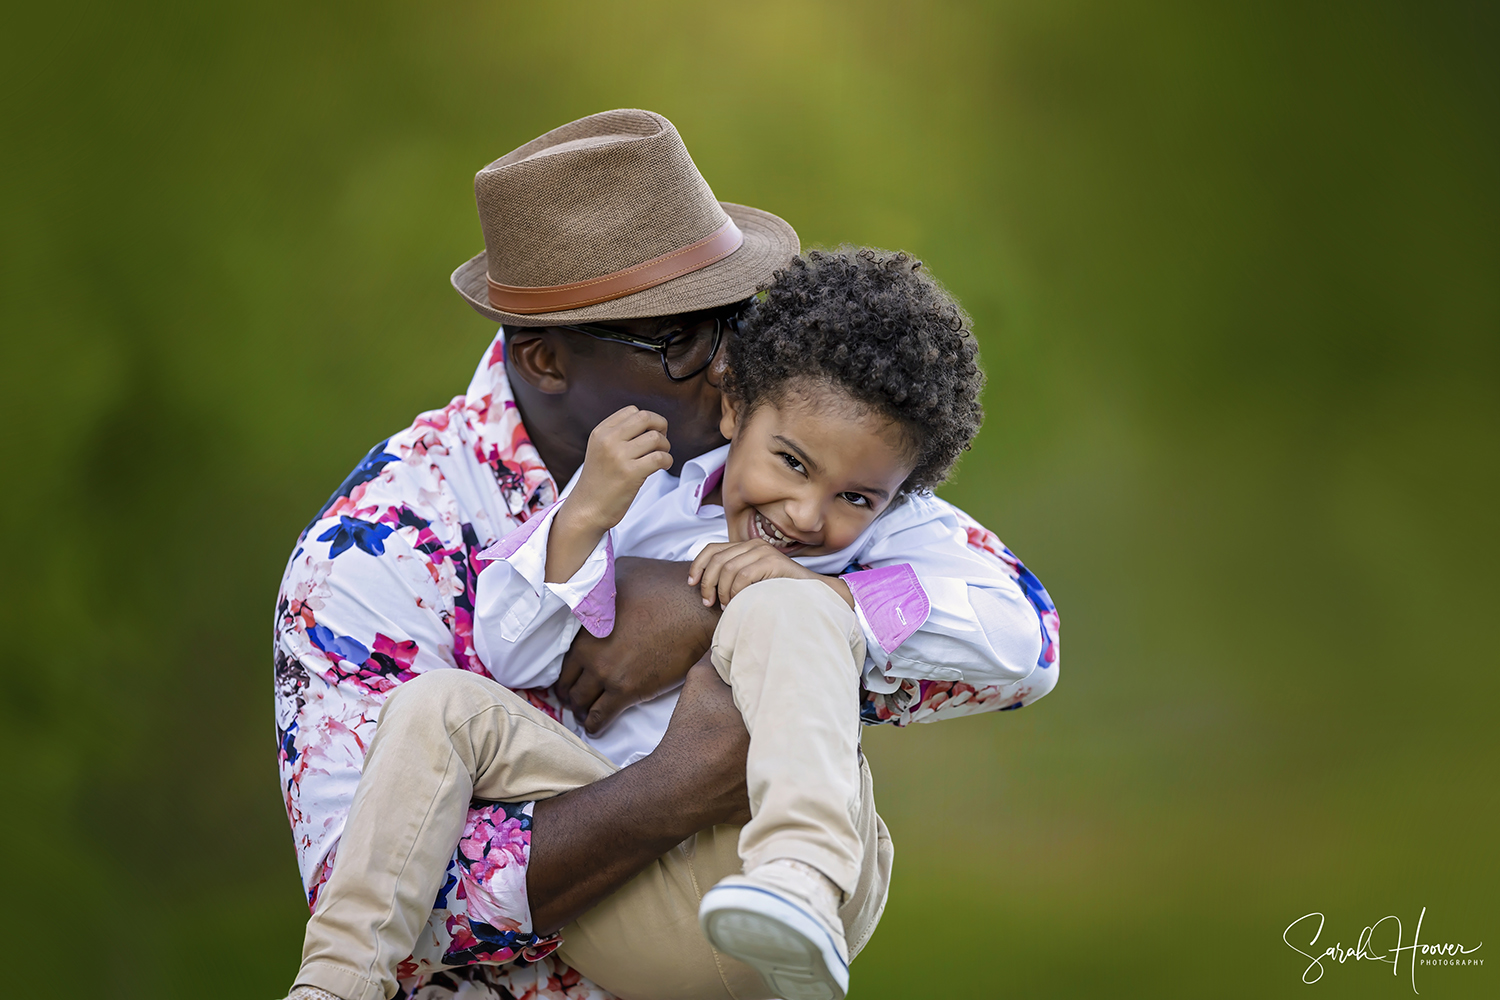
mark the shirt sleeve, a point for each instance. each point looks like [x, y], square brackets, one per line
[522, 624]
[934, 608]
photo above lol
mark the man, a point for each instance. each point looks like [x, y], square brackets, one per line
[380, 588]
[587, 229]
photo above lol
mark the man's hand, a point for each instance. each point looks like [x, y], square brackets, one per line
[723, 569]
[661, 629]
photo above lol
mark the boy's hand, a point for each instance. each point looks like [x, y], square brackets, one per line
[723, 569]
[627, 446]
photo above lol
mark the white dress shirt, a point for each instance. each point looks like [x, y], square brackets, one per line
[931, 606]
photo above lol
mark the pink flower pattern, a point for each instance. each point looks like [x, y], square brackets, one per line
[380, 589]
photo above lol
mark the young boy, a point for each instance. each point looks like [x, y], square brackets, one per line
[851, 390]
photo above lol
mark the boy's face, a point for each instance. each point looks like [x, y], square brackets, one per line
[810, 473]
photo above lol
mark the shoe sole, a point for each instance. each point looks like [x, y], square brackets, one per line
[793, 953]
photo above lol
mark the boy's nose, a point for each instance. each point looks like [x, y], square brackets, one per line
[806, 515]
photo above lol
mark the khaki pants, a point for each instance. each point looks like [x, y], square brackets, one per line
[791, 650]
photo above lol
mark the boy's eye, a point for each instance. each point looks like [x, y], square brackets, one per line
[792, 463]
[857, 499]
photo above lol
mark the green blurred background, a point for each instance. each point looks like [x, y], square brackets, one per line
[1236, 271]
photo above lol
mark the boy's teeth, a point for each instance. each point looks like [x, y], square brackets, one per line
[769, 530]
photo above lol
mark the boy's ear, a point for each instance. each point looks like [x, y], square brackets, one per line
[537, 355]
[729, 416]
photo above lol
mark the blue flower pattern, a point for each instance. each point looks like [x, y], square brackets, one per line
[369, 537]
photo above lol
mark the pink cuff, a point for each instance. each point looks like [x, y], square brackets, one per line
[892, 600]
[596, 612]
[511, 543]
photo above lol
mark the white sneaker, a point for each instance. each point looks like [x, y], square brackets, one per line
[782, 920]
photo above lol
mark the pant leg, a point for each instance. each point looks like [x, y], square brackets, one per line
[861, 912]
[792, 651]
[444, 738]
[787, 649]
[644, 942]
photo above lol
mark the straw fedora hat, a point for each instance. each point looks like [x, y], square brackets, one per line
[608, 218]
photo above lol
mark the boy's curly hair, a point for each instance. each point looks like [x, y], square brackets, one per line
[878, 326]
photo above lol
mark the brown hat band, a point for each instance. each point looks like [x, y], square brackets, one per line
[554, 298]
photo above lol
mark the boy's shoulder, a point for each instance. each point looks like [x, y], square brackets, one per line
[923, 508]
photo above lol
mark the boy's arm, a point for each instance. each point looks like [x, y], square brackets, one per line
[556, 572]
[624, 450]
[935, 606]
[932, 605]
[523, 625]
[589, 842]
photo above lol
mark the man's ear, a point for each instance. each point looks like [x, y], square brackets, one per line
[729, 416]
[539, 357]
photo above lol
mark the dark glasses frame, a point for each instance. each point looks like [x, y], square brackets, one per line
[662, 346]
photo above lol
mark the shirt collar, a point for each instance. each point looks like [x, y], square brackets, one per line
[525, 477]
[704, 473]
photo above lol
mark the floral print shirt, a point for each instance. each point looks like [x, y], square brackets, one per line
[381, 588]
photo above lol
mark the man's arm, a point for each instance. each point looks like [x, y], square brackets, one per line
[661, 629]
[587, 843]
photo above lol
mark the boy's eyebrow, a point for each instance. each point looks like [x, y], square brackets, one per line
[802, 455]
[806, 460]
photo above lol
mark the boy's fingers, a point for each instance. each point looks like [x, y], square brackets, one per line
[726, 588]
[709, 579]
[641, 421]
[700, 562]
[714, 569]
[618, 417]
[741, 577]
[646, 443]
[752, 566]
[697, 566]
[627, 423]
[649, 463]
[741, 562]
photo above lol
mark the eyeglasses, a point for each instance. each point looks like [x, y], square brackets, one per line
[685, 350]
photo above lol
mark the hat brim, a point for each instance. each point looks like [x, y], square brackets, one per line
[769, 244]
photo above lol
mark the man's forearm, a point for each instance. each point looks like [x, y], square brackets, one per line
[590, 841]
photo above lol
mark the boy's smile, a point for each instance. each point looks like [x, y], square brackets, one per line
[808, 474]
[761, 527]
